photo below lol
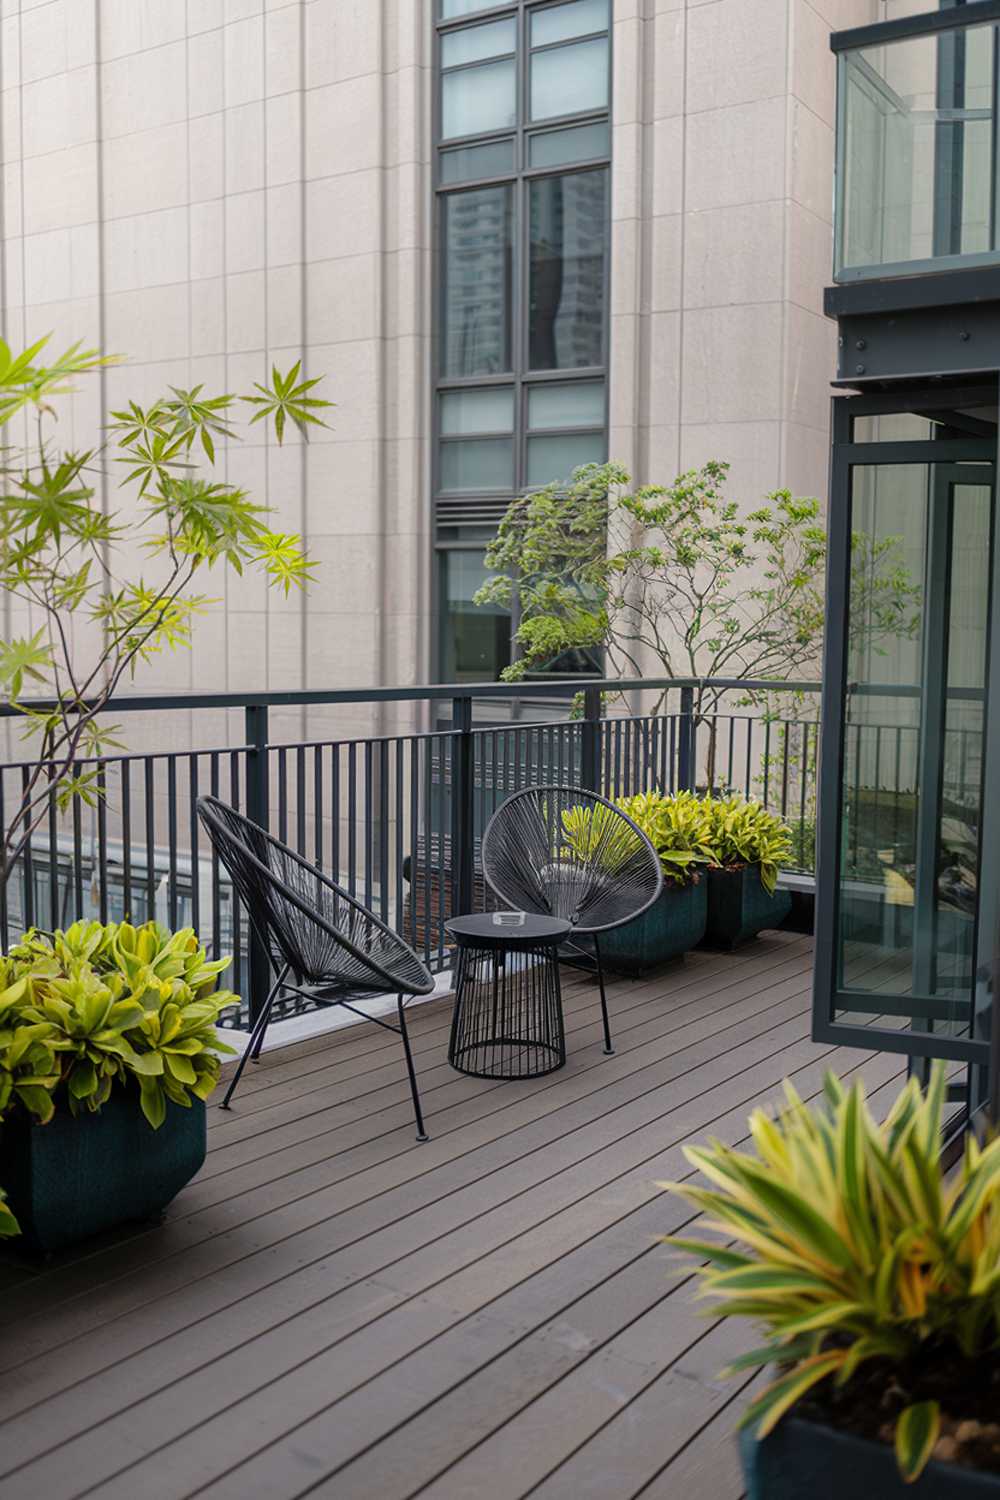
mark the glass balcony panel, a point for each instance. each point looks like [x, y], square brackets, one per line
[488, 410]
[916, 154]
[474, 43]
[560, 22]
[568, 80]
[480, 98]
[557, 148]
[579, 403]
[494, 159]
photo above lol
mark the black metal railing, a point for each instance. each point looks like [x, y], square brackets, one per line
[397, 816]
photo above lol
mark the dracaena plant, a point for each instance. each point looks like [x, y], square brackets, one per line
[848, 1244]
[741, 833]
[90, 1009]
[675, 826]
[67, 560]
[8, 1224]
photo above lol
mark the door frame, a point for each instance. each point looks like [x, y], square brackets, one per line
[829, 996]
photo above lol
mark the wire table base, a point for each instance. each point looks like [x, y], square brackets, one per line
[508, 1018]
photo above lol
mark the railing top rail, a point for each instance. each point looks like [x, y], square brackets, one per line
[435, 692]
[975, 13]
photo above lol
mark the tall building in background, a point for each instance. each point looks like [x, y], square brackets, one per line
[515, 238]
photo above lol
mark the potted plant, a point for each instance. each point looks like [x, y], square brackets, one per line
[108, 1051]
[748, 846]
[876, 1279]
[675, 922]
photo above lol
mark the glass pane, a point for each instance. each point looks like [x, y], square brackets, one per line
[477, 271]
[569, 79]
[566, 293]
[490, 410]
[451, 10]
[477, 464]
[479, 98]
[913, 745]
[473, 43]
[491, 160]
[554, 148]
[563, 21]
[580, 404]
[554, 458]
[475, 640]
[916, 157]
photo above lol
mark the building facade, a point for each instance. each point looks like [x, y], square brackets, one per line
[514, 237]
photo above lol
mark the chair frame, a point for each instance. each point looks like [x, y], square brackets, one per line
[219, 830]
[579, 929]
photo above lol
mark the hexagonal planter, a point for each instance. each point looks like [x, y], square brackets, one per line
[670, 927]
[74, 1178]
[739, 906]
[804, 1458]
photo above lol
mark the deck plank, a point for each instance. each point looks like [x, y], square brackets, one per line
[336, 1311]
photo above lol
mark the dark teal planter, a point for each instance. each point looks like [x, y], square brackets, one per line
[674, 924]
[803, 1459]
[74, 1178]
[739, 907]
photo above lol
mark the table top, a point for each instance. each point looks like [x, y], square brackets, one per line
[481, 929]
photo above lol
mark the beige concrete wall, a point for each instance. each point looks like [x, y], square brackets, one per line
[724, 121]
[212, 185]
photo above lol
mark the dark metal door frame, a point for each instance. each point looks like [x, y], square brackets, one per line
[830, 996]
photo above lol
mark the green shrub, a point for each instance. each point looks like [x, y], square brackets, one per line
[741, 833]
[96, 1006]
[854, 1249]
[675, 828]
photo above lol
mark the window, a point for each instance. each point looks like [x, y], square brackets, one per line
[568, 228]
[477, 282]
[523, 234]
[475, 640]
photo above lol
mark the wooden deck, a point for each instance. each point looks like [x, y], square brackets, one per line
[333, 1310]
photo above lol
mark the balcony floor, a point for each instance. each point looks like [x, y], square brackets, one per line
[334, 1310]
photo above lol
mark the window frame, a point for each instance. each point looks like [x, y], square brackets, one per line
[458, 521]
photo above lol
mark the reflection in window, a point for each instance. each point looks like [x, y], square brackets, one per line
[568, 80]
[558, 148]
[568, 218]
[551, 459]
[477, 464]
[559, 23]
[477, 280]
[475, 640]
[478, 98]
[490, 160]
[452, 10]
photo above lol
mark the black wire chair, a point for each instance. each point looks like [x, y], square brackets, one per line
[558, 851]
[324, 945]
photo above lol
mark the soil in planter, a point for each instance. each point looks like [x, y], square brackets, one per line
[967, 1390]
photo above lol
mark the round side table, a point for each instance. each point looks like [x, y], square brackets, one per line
[508, 1020]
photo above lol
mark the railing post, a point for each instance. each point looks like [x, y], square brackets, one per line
[462, 808]
[258, 811]
[685, 741]
[590, 743]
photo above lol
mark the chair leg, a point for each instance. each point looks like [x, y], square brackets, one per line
[608, 1048]
[256, 1041]
[421, 1132]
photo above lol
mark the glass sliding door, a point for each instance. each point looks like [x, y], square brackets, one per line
[904, 917]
